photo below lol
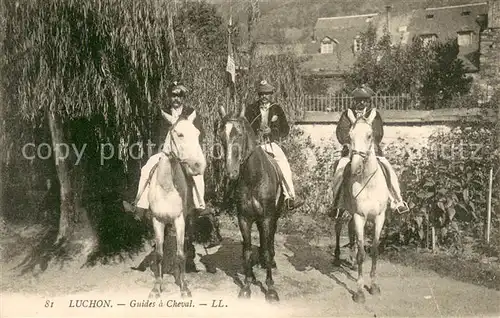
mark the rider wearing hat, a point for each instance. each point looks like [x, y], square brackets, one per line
[362, 96]
[269, 123]
[177, 92]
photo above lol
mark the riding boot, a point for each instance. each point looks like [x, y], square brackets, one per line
[397, 202]
[293, 203]
[137, 212]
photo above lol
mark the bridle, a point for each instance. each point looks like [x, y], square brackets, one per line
[364, 155]
[242, 159]
[171, 154]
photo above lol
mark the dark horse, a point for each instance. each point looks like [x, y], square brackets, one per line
[258, 193]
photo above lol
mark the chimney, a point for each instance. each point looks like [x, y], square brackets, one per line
[388, 17]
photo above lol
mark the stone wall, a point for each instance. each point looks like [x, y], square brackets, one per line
[415, 136]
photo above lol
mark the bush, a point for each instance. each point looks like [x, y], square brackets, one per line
[445, 186]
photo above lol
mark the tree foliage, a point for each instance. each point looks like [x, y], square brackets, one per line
[432, 71]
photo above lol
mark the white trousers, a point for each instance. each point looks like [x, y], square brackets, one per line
[198, 187]
[282, 161]
[394, 193]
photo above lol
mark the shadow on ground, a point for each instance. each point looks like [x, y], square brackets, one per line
[306, 256]
[229, 259]
[467, 271]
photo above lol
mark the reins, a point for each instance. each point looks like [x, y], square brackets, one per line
[364, 155]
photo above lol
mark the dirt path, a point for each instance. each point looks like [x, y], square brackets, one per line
[308, 285]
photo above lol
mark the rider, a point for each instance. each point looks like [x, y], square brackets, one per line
[269, 122]
[362, 96]
[177, 92]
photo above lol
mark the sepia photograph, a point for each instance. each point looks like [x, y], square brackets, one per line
[249, 158]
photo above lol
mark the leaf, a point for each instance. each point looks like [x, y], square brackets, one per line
[441, 206]
[466, 195]
[444, 231]
[451, 213]
[442, 191]
[429, 183]
[419, 220]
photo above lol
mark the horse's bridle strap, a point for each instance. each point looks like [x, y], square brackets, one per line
[363, 154]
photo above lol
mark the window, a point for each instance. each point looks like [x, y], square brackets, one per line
[358, 44]
[465, 13]
[430, 16]
[465, 38]
[428, 38]
[327, 45]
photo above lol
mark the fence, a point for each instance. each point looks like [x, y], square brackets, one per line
[336, 103]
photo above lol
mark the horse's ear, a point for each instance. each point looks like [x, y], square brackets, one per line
[371, 115]
[192, 116]
[222, 111]
[243, 110]
[351, 116]
[168, 117]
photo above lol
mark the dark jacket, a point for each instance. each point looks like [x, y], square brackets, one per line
[279, 128]
[344, 125]
[162, 126]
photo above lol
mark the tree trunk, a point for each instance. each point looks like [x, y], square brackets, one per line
[67, 209]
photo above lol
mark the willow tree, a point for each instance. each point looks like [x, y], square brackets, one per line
[107, 61]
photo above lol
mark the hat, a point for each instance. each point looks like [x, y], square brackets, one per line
[265, 88]
[362, 92]
[176, 88]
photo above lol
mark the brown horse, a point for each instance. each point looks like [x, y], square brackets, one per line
[170, 195]
[258, 194]
[365, 196]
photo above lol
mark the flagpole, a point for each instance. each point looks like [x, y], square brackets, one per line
[230, 25]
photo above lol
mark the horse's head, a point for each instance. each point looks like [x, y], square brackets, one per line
[361, 136]
[182, 143]
[237, 138]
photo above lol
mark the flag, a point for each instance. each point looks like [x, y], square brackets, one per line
[230, 66]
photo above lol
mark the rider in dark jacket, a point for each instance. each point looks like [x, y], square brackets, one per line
[362, 106]
[177, 109]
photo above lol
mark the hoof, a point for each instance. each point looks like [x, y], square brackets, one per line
[273, 265]
[155, 293]
[191, 267]
[374, 290]
[245, 293]
[211, 269]
[359, 297]
[272, 296]
[186, 293]
[337, 262]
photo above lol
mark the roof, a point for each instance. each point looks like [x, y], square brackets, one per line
[446, 22]
[342, 30]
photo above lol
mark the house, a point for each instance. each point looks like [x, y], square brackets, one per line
[335, 43]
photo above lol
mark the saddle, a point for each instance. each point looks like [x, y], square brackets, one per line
[347, 172]
[275, 165]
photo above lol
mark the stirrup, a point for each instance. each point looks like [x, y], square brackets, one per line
[403, 209]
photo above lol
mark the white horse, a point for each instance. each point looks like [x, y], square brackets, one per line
[170, 194]
[365, 195]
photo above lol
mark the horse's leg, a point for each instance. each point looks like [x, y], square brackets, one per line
[180, 228]
[359, 223]
[246, 233]
[262, 258]
[379, 223]
[266, 227]
[338, 230]
[188, 245]
[352, 243]
[159, 229]
[274, 227]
